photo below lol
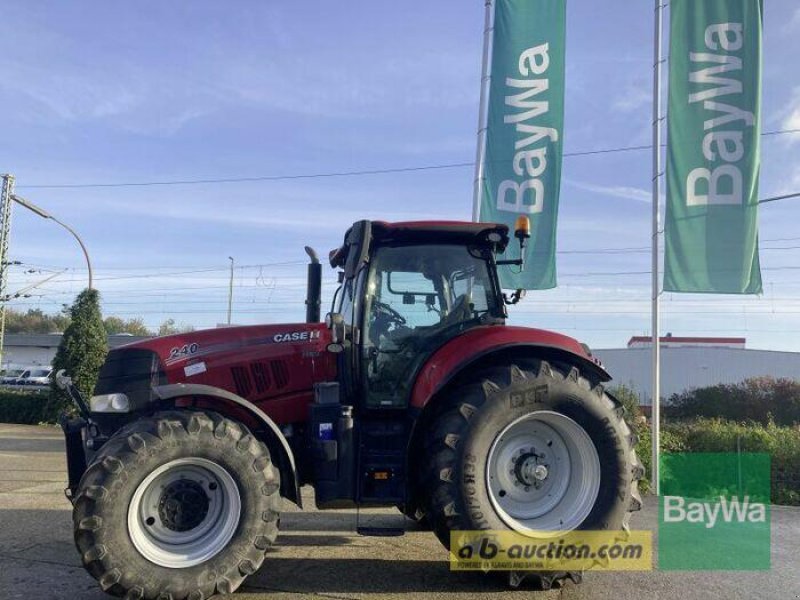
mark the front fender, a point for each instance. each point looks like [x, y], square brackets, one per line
[275, 438]
[477, 344]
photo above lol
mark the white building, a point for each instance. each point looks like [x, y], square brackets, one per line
[27, 350]
[688, 362]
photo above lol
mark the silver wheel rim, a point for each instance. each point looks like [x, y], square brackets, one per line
[543, 473]
[184, 513]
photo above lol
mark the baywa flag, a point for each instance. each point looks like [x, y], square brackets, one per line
[524, 132]
[713, 149]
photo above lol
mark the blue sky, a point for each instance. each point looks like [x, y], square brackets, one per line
[98, 92]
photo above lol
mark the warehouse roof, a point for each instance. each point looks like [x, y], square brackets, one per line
[52, 340]
[673, 339]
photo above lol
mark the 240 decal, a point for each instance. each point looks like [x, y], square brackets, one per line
[184, 351]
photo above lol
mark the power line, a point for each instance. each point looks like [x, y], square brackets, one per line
[212, 268]
[784, 197]
[355, 173]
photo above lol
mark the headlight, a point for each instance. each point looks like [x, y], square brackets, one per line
[109, 403]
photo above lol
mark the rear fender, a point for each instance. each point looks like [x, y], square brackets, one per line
[236, 407]
[489, 344]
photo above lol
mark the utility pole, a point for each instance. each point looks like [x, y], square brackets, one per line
[6, 203]
[482, 116]
[655, 417]
[230, 292]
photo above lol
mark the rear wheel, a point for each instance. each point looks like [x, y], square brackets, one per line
[543, 473]
[535, 447]
[181, 505]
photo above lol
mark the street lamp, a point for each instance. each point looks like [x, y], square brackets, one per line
[46, 215]
[230, 292]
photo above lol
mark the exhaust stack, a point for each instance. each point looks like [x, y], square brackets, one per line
[313, 287]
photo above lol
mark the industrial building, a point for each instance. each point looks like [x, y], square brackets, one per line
[694, 362]
[26, 349]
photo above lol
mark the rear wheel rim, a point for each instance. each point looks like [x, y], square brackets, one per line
[543, 473]
[184, 513]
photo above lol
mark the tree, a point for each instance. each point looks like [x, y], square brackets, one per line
[169, 327]
[117, 325]
[34, 321]
[83, 347]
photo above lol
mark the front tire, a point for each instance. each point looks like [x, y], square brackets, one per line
[180, 505]
[530, 448]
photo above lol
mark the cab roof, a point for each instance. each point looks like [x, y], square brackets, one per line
[466, 233]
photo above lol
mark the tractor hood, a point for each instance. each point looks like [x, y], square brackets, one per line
[184, 349]
[257, 362]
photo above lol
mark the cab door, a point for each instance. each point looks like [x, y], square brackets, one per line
[400, 308]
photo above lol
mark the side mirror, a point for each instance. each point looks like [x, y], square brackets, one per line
[335, 323]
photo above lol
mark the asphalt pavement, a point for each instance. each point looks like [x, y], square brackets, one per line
[319, 555]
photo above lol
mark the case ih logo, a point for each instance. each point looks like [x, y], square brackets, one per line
[296, 336]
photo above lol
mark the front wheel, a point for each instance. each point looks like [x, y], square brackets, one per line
[180, 505]
[529, 448]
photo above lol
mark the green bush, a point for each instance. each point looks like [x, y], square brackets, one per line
[759, 399]
[782, 443]
[26, 407]
[719, 435]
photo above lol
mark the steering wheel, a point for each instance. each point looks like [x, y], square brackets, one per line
[381, 308]
[384, 320]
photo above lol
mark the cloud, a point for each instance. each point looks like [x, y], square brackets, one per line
[268, 217]
[69, 96]
[615, 191]
[793, 24]
[126, 99]
[634, 98]
[353, 89]
[791, 117]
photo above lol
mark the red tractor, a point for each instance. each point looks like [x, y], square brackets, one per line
[414, 393]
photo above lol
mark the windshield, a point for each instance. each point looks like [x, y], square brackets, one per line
[422, 289]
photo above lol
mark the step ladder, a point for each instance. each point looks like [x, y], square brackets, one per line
[380, 525]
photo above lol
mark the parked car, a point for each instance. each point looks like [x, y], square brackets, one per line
[11, 376]
[38, 376]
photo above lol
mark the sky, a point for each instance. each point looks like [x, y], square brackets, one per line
[110, 93]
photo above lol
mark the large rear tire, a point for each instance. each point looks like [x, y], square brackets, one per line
[180, 505]
[529, 447]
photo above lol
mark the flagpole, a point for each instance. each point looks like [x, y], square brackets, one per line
[655, 417]
[482, 116]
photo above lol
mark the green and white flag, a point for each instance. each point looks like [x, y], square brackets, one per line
[713, 151]
[524, 132]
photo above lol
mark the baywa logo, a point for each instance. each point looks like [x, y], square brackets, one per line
[677, 510]
[714, 512]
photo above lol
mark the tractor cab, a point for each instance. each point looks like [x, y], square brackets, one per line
[406, 289]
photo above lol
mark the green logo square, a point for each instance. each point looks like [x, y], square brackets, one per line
[714, 512]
